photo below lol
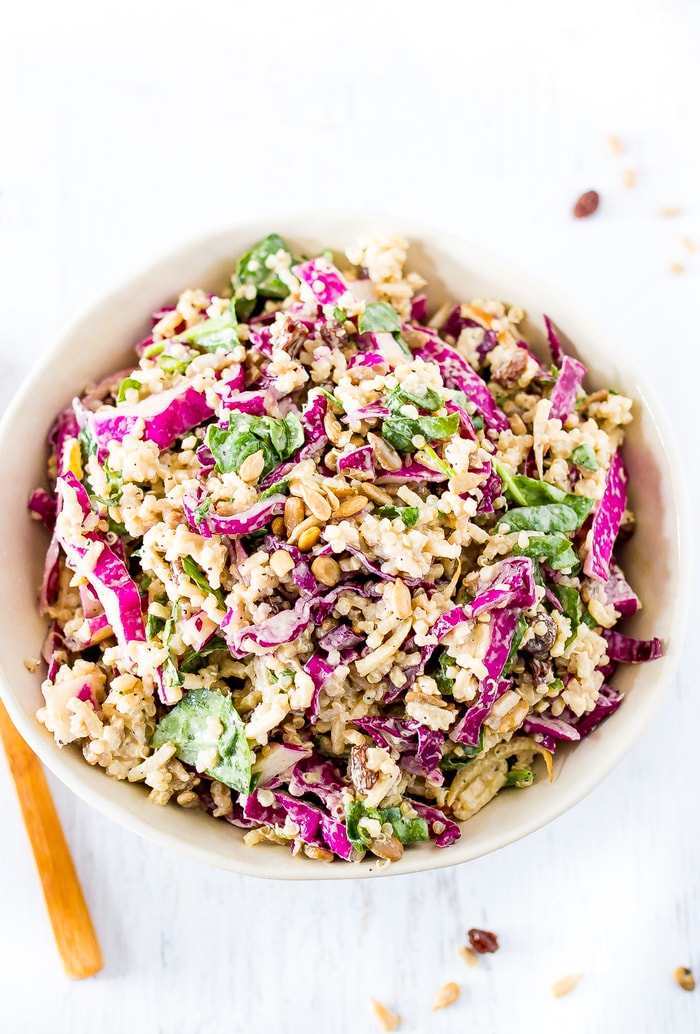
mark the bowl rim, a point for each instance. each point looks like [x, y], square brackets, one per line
[292, 224]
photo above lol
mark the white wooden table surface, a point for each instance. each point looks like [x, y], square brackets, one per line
[126, 128]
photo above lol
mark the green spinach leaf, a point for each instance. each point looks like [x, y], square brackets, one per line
[408, 514]
[195, 572]
[444, 683]
[463, 754]
[378, 317]
[571, 607]
[583, 456]
[520, 777]
[212, 334]
[546, 518]
[399, 397]
[407, 831]
[192, 659]
[188, 726]
[555, 550]
[126, 384]
[531, 492]
[400, 431]
[278, 438]
[253, 278]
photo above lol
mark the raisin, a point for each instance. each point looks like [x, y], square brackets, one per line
[292, 335]
[483, 941]
[542, 641]
[333, 334]
[539, 668]
[362, 778]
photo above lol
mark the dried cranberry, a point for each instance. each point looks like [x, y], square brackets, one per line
[482, 941]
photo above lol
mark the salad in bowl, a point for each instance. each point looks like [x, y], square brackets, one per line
[332, 564]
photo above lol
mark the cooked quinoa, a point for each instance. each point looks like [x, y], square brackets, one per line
[330, 566]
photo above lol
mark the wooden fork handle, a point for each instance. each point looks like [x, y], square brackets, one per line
[70, 919]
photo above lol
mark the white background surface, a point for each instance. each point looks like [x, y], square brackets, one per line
[126, 128]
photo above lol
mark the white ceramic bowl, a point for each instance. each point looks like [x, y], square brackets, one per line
[656, 559]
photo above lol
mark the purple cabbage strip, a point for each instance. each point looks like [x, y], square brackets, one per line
[361, 460]
[108, 576]
[53, 645]
[426, 760]
[370, 359]
[168, 693]
[276, 766]
[283, 627]
[608, 701]
[89, 601]
[234, 382]
[278, 474]
[627, 650]
[327, 831]
[312, 420]
[201, 629]
[468, 729]
[317, 827]
[325, 281]
[449, 620]
[606, 521]
[306, 816]
[555, 348]
[98, 628]
[457, 373]
[565, 390]
[263, 319]
[261, 341]
[409, 472]
[509, 582]
[503, 625]
[374, 569]
[252, 402]
[166, 417]
[52, 576]
[44, 506]
[512, 584]
[340, 638]
[619, 594]
[369, 566]
[267, 814]
[607, 670]
[491, 489]
[419, 308]
[317, 775]
[246, 522]
[302, 575]
[65, 427]
[319, 671]
[541, 725]
[286, 625]
[487, 345]
[372, 411]
[205, 459]
[336, 837]
[465, 421]
[420, 748]
[455, 323]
